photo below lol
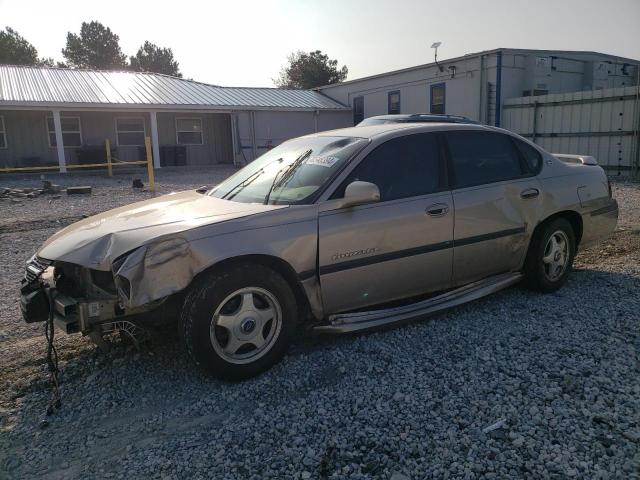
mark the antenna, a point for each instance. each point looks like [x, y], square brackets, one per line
[435, 46]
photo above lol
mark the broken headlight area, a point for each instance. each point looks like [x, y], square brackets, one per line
[104, 281]
[80, 297]
[123, 286]
[35, 267]
[34, 302]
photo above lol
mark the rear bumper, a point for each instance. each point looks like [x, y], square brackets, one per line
[599, 223]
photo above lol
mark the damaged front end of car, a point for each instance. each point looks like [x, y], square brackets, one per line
[90, 301]
[135, 263]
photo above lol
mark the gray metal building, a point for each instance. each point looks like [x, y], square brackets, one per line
[476, 85]
[52, 116]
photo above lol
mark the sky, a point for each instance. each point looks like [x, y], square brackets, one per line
[245, 43]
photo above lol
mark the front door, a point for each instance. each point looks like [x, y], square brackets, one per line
[399, 247]
[496, 201]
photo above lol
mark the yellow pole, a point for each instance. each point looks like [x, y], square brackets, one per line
[107, 145]
[152, 181]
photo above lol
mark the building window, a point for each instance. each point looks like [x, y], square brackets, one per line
[71, 132]
[130, 132]
[189, 131]
[437, 98]
[3, 133]
[394, 102]
[358, 110]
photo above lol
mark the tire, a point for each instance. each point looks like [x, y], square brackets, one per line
[238, 322]
[547, 266]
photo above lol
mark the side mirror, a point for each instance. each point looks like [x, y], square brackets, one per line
[360, 193]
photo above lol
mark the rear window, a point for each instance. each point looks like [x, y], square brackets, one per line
[531, 156]
[479, 158]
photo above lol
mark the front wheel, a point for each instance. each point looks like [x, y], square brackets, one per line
[550, 257]
[238, 322]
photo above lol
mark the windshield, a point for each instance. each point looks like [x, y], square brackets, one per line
[290, 173]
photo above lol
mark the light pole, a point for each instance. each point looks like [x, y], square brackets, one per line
[435, 46]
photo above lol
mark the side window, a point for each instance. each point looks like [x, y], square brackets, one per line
[531, 156]
[402, 167]
[482, 157]
[358, 110]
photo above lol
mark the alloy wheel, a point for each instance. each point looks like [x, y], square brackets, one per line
[246, 325]
[556, 255]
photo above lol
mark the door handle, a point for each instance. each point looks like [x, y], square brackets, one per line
[530, 193]
[438, 209]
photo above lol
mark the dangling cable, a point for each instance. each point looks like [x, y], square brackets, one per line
[52, 359]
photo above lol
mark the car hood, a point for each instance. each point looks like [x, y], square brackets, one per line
[96, 241]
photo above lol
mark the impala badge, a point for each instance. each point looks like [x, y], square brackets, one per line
[354, 253]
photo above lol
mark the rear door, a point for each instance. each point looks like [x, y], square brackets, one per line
[396, 248]
[497, 202]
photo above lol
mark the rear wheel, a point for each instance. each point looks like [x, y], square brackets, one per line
[238, 322]
[550, 257]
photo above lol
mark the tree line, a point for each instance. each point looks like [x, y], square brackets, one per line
[95, 47]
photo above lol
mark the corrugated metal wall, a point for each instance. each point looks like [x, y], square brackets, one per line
[601, 123]
[271, 128]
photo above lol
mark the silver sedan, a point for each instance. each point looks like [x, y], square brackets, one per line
[343, 230]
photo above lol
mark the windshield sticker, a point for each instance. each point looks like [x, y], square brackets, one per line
[323, 161]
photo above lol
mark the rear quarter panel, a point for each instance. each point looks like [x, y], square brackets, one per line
[582, 189]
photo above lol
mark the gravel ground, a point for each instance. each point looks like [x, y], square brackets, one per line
[561, 370]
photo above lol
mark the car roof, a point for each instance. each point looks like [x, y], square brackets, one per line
[387, 129]
[421, 117]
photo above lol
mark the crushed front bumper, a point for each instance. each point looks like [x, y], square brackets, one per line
[34, 301]
[69, 314]
[73, 315]
[39, 296]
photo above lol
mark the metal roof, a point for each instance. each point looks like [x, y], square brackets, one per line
[587, 56]
[60, 87]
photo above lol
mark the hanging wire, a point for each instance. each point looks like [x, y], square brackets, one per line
[52, 360]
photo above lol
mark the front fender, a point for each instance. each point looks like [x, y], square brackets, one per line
[294, 242]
